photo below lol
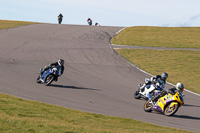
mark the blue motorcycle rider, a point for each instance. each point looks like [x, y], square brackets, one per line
[160, 79]
[59, 65]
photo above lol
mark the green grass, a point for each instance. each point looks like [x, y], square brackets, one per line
[175, 37]
[181, 65]
[5, 24]
[23, 116]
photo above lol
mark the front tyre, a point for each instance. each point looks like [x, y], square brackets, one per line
[171, 109]
[38, 80]
[137, 95]
[49, 80]
[147, 106]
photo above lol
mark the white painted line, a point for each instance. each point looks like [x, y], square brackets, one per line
[120, 30]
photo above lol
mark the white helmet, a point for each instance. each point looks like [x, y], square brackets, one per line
[60, 62]
[179, 87]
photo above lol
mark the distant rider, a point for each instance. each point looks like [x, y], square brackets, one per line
[96, 24]
[59, 65]
[60, 16]
[178, 88]
[161, 79]
[89, 21]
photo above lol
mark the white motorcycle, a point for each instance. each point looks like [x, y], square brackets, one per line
[151, 88]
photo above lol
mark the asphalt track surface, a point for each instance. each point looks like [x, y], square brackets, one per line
[96, 79]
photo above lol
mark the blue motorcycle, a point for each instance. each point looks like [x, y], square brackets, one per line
[48, 76]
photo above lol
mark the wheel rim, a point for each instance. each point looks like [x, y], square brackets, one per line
[136, 93]
[170, 109]
[148, 105]
[48, 79]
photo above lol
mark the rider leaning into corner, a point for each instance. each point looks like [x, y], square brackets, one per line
[179, 87]
[161, 79]
[59, 65]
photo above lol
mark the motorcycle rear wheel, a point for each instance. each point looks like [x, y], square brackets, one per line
[49, 80]
[169, 111]
[148, 106]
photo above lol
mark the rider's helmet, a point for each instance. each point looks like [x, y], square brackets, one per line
[179, 87]
[60, 62]
[164, 76]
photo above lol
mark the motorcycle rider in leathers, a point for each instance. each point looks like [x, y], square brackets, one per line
[59, 65]
[179, 87]
[161, 79]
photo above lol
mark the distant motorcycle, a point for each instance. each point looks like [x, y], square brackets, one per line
[152, 88]
[90, 22]
[168, 104]
[48, 76]
[60, 20]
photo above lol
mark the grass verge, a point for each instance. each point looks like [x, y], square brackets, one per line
[23, 116]
[5, 24]
[174, 37]
[181, 65]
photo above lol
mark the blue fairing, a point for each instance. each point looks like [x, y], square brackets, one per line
[148, 86]
[46, 73]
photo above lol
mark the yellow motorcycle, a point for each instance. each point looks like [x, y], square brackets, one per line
[168, 104]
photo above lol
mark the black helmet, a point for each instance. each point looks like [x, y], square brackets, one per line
[164, 76]
[60, 62]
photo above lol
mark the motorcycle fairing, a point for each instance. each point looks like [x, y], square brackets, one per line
[169, 98]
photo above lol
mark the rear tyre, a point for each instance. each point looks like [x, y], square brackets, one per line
[169, 111]
[147, 106]
[49, 80]
[137, 95]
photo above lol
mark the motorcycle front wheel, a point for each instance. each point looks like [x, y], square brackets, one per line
[147, 106]
[38, 80]
[137, 95]
[171, 110]
[49, 80]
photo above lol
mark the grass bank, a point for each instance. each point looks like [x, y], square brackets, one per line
[5, 24]
[182, 65]
[173, 37]
[23, 116]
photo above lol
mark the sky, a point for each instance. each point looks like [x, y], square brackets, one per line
[126, 13]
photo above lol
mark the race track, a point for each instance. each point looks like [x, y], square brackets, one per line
[96, 79]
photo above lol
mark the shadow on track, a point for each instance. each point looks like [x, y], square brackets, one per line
[187, 117]
[73, 87]
[187, 105]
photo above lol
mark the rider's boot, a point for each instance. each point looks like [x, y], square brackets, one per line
[56, 79]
